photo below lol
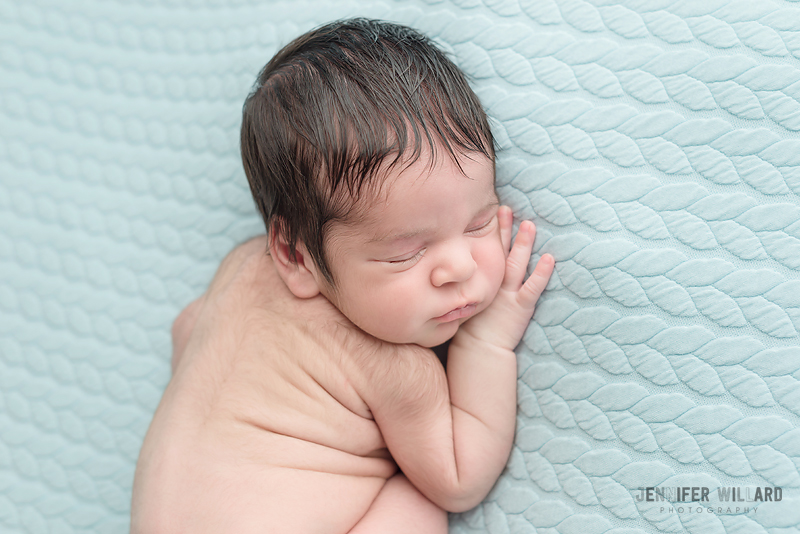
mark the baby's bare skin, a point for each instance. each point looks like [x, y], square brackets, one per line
[281, 412]
[263, 427]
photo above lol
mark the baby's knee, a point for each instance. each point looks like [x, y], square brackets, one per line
[401, 508]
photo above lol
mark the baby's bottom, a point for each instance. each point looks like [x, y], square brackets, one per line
[401, 508]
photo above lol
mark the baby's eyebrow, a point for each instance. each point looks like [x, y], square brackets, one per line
[401, 236]
[385, 238]
[491, 204]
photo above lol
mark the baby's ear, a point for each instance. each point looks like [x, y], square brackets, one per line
[300, 275]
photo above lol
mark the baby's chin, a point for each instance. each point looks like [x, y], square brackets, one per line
[426, 336]
[440, 335]
[443, 332]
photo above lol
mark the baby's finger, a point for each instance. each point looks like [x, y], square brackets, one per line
[506, 219]
[517, 260]
[530, 292]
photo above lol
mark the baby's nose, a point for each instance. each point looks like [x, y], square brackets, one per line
[457, 265]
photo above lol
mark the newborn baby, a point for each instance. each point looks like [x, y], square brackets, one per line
[305, 397]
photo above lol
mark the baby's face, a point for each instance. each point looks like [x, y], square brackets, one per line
[426, 257]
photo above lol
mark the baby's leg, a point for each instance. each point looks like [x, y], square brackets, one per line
[400, 508]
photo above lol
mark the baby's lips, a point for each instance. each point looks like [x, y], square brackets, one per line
[458, 313]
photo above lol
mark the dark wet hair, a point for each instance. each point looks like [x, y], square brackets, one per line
[334, 106]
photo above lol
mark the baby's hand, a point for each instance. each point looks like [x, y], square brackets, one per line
[504, 322]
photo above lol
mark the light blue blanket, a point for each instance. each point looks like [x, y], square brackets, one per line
[654, 142]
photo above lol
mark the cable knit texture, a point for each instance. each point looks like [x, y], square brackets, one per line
[655, 144]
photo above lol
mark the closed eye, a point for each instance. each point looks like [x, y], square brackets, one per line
[409, 260]
[482, 228]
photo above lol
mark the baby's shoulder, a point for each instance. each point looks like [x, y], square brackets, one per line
[405, 373]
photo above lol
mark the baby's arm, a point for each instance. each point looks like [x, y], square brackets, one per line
[451, 435]
[482, 365]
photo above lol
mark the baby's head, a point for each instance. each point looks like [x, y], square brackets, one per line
[372, 163]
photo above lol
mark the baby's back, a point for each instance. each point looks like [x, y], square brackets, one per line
[262, 428]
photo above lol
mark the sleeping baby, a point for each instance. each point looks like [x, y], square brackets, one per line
[305, 396]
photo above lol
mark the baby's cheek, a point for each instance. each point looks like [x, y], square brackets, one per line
[495, 262]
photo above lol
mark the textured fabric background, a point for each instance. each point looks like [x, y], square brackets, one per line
[654, 142]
